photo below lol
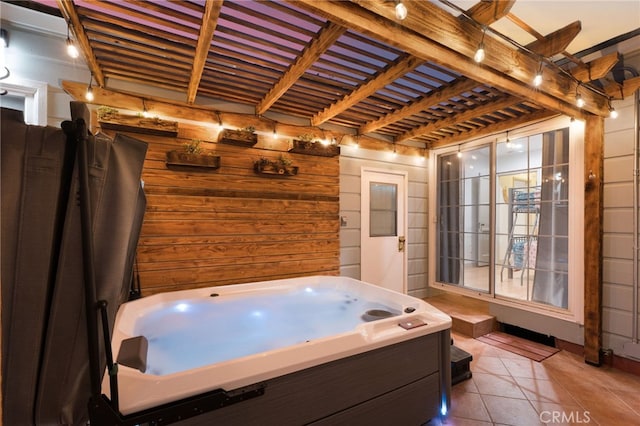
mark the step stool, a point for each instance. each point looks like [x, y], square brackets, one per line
[459, 365]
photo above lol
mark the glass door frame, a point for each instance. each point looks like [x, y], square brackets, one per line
[575, 310]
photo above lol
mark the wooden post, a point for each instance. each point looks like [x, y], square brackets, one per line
[593, 215]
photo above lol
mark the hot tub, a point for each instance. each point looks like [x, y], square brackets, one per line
[321, 349]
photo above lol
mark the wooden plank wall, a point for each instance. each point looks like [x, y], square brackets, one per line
[231, 225]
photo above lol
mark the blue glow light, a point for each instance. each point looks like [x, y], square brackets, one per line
[182, 307]
[443, 409]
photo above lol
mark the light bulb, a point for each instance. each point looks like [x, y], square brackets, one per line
[579, 101]
[479, 56]
[537, 80]
[459, 154]
[89, 95]
[401, 10]
[613, 113]
[72, 50]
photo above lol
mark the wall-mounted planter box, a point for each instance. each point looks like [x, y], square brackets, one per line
[178, 160]
[238, 137]
[132, 123]
[274, 169]
[314, 148]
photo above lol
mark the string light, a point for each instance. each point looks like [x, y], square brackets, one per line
[401, 10]
[480, 54]
[72, 50]
[579, 101]
[145, 112]
[89, 95]
[612, 111]
[537, 80]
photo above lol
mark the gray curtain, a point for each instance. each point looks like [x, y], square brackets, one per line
[551, 273]
[448, 265]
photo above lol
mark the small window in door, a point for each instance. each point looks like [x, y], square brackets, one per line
[383, 209]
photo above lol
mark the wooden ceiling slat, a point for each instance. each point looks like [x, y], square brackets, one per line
[133, 15]
[433, 98]
[99, 29]
[510, 100]
[105, 54]
[127, 26]
[103, 42]
[498, 127]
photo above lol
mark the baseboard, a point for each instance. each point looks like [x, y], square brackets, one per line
[610, 359]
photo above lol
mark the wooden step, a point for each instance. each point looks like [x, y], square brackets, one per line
[469, 316]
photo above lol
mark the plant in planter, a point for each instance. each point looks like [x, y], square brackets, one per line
[243, 137]
[192, 155]
[310, 145]
[282, 166]
[106, 112]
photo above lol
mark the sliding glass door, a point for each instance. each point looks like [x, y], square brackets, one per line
[502, 218]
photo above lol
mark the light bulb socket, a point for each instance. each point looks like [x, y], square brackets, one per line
[401, 10]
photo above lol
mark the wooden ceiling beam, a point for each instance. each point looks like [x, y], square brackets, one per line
[435, 97]
[326, 37]
[458, 118]
[596, 69]
[519, 22]
[512, 69]
[557, 41]
[177, 110]
[486, 12]
[70, 14]
[207, 28]
[621, 91]
[391, 74]
[494, 128]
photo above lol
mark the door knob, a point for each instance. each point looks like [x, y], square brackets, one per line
[401, 241]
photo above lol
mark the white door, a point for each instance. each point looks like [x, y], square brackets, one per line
[383, 241]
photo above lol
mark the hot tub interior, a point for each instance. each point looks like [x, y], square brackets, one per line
[356, 347]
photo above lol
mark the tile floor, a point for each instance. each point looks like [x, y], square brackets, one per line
[508, 389]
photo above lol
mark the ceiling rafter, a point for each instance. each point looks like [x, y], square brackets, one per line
[487, 12]
[519, 22]
[462, 39]
[394, 72]
[413, 42]
[557, 41]
[596, 69]
[70, 14]
[209, 21]
[326, 37]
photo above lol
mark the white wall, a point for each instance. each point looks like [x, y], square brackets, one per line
[37, 54]
[351, 162]
[618, 225]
